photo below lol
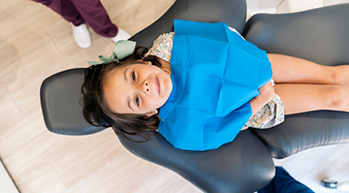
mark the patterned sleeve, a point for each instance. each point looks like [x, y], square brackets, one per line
[162, 47]
[234, 30]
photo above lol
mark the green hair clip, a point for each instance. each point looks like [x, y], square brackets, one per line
[122, 49]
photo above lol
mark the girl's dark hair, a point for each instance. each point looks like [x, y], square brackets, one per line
[96, 110]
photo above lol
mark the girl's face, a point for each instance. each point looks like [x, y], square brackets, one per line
[137, 89]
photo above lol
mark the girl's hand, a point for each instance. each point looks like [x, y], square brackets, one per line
[266, 93]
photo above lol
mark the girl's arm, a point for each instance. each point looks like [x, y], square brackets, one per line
[266, 94]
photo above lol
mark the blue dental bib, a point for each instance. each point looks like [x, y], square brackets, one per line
[215, 73]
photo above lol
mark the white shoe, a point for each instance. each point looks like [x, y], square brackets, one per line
[81, 35]
[121, 35]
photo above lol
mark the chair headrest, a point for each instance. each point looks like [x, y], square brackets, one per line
[60, 101]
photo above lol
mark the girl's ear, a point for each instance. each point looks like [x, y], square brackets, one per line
[151, 113]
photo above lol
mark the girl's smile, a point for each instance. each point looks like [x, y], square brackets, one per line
[137, 89]
[158, 85]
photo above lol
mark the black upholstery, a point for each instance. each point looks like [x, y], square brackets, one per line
[303, 131]
[244, 165]
[60, 101]
[319, 35]
[231, 12]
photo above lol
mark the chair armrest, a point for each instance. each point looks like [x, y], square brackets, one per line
[319, 35]
[303, 131]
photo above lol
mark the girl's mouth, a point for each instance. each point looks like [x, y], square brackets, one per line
[158, 85]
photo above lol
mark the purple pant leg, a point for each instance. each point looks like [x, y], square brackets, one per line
[96, 17]
[78, 12]
[66, 9]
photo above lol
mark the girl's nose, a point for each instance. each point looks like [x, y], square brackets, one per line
[146, 87]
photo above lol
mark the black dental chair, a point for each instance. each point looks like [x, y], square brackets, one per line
[244, 165]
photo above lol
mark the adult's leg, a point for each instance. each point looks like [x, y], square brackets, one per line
[288, 69]
[283, 182]
[96, 17]
[299, 98]
[65, 8]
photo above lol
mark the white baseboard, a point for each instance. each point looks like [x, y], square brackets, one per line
[6, 183]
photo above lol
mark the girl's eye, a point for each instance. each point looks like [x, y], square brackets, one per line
[133, 76]
[137, 101]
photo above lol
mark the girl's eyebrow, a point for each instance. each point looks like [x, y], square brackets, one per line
[128, 99]
[129, 103]
[125, 74]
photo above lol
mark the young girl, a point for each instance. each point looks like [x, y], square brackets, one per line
[202, 84]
